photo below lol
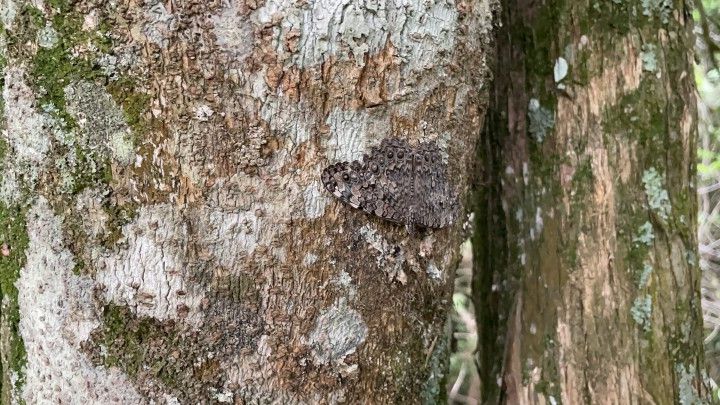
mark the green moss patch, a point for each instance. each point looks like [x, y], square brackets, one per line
[13, 243]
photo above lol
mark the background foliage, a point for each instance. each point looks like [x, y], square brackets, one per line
[707, 75]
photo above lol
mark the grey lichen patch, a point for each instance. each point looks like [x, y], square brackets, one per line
[641, 311]
[27, 134]
[656, 193]
[389, 257]
[57, 312]
[541, 120]
[338, 332]
[645, 275]
[648, 57]
[159, 23]
[660, 8]
[47, 37]
[687, 385]
[8, 11]
[645, 235]
[102, 127]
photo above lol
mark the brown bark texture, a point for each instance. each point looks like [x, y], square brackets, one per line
[586, 266]
[165, 235]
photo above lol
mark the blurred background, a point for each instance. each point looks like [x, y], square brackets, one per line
[463, 383]
[707, 76]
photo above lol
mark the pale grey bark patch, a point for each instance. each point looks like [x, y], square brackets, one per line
[102, 127]
[289, 118]
[148, 270]
[348, 131]
[234, 234]
[234, 34]
[422, 31]
[315, 200]
[27, 133]
[57, 314]
[338, 332]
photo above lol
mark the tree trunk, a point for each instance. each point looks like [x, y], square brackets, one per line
[165, 235]
[587, 278]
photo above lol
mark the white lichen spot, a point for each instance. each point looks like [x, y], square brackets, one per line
[354, 31]
[659, 8]
[315, 200]
[122, 147]
[309, 259]
[560, 70]
[539, 223]
[584, 41]
[433, 271]
[338, 332]
[171, 400]
[235, 234]
[47, 37]
[224, 397]
[687, 384]
[287, 117]
[90, 21]
[203, 112]
[344, 279]
[57, 314]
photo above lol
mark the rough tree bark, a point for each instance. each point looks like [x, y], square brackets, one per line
[164, 232]
[587, 279]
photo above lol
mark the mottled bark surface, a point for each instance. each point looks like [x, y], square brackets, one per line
[587, 278]
[164, 232]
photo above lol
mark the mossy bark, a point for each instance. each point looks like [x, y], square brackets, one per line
[168, 236]
[586, 270]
